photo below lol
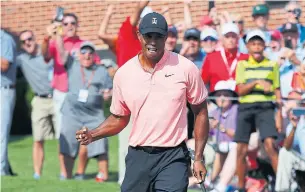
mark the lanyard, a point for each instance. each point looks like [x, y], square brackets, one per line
[83, 78]
[233, 65]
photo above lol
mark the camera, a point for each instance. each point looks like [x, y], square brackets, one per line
[59, 14]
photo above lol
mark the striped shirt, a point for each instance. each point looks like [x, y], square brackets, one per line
[250, 70]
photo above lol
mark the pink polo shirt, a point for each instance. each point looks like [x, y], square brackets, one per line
[60, 77]
[157, 101]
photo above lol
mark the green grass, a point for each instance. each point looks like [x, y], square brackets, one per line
[20, 151]
[20, 155]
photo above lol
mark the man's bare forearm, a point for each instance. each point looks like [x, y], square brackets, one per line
[45, 50]
[201, 129]
[111, 126]
[244, 89]
[61, 48]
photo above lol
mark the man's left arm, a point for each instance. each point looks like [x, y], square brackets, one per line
[196, 96]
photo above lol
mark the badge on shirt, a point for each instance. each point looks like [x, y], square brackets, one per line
[83, 95]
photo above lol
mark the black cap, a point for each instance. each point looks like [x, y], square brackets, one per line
[290, 27]
[193, 32]
[153, 22]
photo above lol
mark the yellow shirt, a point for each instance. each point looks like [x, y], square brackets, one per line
[250, 70]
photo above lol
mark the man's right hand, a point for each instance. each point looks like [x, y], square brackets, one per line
[83, 136]
[267, 86]
[53, 29]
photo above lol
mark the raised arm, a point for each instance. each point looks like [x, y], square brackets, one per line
[187, 14]
[61, 49]
[109, 39]
[51, 31]
[135, 17]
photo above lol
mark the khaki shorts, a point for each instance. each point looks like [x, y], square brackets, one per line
[43, 118]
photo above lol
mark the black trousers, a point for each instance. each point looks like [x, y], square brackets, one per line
[156, 170]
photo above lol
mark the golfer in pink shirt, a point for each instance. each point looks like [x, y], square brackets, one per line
[154, 87]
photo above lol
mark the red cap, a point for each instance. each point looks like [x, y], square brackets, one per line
[276, 35]
[206, 20]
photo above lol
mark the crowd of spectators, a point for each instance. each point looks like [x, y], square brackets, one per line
[255, 77]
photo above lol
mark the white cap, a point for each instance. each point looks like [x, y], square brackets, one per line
[87, 44]
[145, 11]
[229, 27]
[255, 32]
[208, 32]
[225, 85]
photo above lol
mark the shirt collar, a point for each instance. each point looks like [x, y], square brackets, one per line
[74, 38]
[160, 63]
[230, 55]
[253, 61]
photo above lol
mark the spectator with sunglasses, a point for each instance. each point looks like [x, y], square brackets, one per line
[83, 107]
[293, 14]
[52, 48]
[36, 71]
[239, 21]
[209, 40]
[8, 95]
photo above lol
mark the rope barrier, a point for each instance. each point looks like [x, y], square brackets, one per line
[271, 100]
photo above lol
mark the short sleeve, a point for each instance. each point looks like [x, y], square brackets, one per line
[276, 80]
[108, 81]
[118, 105]
[240, 73]
[196, 90]
[8, 49]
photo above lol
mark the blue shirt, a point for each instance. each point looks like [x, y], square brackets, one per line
[286, 71]
[199, 59]
[299, 136]
[8, 52]
[36, 71]
[242, 48]
[301, 30]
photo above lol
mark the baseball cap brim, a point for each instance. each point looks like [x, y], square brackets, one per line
[153, 30]
[234, 94]
[255, 34]
[87, 44]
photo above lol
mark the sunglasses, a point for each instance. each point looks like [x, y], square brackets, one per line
[28, 39]
[210, 39]
[239, 22]
[84, 51]
[72, 23]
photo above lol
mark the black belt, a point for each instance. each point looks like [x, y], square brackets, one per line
[149, 149]
[44, 96]
[8, 86]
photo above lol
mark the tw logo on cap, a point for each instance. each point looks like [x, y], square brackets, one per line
[154, 21]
